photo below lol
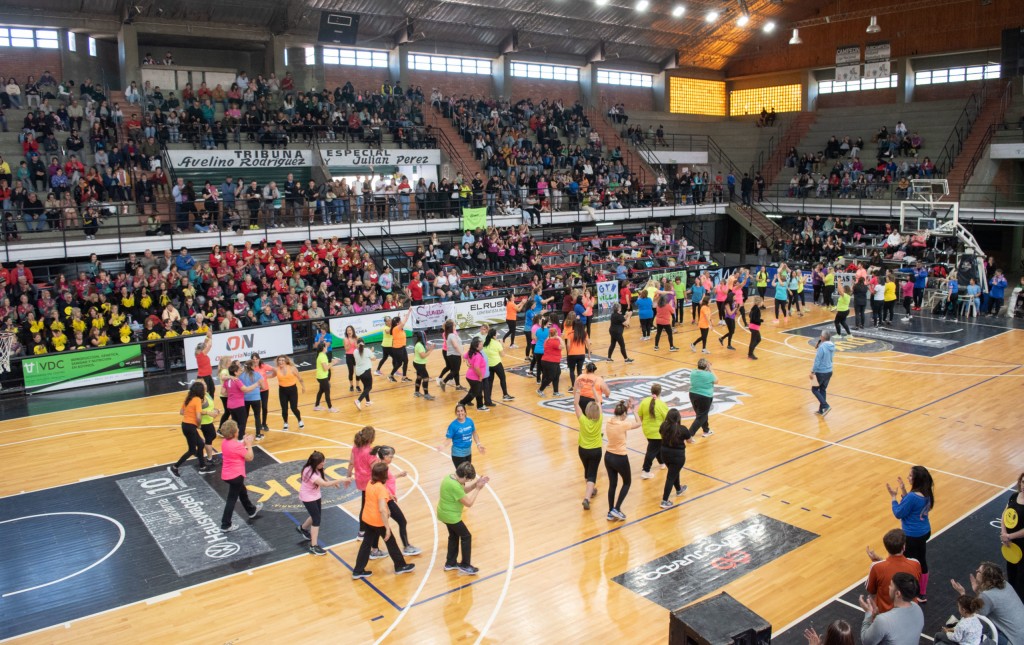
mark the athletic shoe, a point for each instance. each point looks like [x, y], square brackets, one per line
[411, 551]
[693, 348]
[284, 427]
[406, 379]
[302, 531]
[586, 504]
[377, 554]
[317, 408]
[556, 394]
[442, 385]
[351, 388]
[655, 348]
[541, 394]
[570, 390]
[825, 412]
[483, 409]
[508, 397]
[459, 388]
[233, 527]
[662, 467]
[708, 433]
[922, 598]
[392, 379]
[259, 507]
[259, 437]
[619, 514]
[358, 575]
[646, 475]
[333, 410]
[377, 373]
[721, 340]
[359, 536]
[681, 490]
[358, 405]
[429, 397]
[301, 424]
[629, 360]
[513, 346]
[673, 349]
[610, 517]
[174, 471]
[731, 348]
[450, 567]
[666, 503]
[417, 394]
[705, 351]
[405, 568]
[751, 357]
[468, 570]
[206, 469]
[529, 372]
[905, 319]
[316, 549]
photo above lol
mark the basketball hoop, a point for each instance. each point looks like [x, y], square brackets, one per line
[6, 343]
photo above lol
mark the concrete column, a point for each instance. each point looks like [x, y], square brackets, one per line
[274, 57]
[129, 62]
[905, 84]
[1016, 248]
[660, 89]
[501, 69]
[398, 64]
[319, 75]
[810, 91]
[588, 84]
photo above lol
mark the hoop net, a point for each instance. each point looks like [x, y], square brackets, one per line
[6, 342]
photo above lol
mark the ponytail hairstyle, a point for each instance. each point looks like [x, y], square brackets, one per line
[662, 301]
[474, 347]
[621, 408]
[360, 346]
[315, 464]
[195, 391]
[655, 393]
[490, 336]
[382, 452]
[364, 437]
[923, 484]
[421, 338]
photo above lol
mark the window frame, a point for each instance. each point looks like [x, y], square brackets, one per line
[449, 64]
[30, 38]
[959, 74]
[353, 57]
[624, 78]
[544, 71]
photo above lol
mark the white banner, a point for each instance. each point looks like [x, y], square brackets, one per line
[607, 294]
[876, 60]
[240, 344]
[431, 315]
[369, 327]
[229, 159]
[337, 158]
[470, 314]
[1006, 151]
[675, 156]
[848, 63]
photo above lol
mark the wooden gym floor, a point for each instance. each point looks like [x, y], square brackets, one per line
[547, 566]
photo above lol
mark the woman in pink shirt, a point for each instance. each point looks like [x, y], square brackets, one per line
[235, 390]
[234, 455]
[359, 466]
[908, 298]
[311, 480]
[476, 372]
[721, 289]
[386, 454]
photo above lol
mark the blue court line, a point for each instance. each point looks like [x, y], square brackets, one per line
[576, 430]
[349, 567]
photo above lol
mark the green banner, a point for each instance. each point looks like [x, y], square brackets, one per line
[71, 369]
[474, 218]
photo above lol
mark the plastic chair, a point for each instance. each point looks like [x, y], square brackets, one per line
[985, 640]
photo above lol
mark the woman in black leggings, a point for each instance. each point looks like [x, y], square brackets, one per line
[704, 324]
[512, 317]
[730, 321]
[702, 396]
[364, 372]
[674, 438]
[616, 463]
[489, 347]
[288, 384]
[616, 329]
[323, 377]
[266, 373]
[453, 351]
[754, 327]
[222, 374]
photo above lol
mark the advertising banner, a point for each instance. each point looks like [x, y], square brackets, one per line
[235, 159]
[607, 294]
[375, 157]
[369, 327]
[474, 218]
[848, 63]
[430, 315]
[52, 372]
[876, 60]
[470, 314]
[240, 344]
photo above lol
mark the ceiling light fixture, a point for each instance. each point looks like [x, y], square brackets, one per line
[712, 16]
[642, 5]
[769, 27]
[600, 3]
[795, 40]
[743, 20]
[678, 11]
[873, 27]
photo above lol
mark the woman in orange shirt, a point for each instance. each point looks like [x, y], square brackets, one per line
[704, 324]
[399, 356]
[663, 319]
[577, 347]
[511, 316]
[588, 306]
[376, 518]
[288, 384]
[192, 414]
[616, 463]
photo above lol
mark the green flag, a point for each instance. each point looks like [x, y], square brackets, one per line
[474, 218]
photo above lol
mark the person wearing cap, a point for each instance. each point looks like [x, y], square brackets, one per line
[821, 371]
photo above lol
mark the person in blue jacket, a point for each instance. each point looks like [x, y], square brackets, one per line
[912, 511]
[531, 313]
[996, 291]
[697, 292]
[645, 312]
[920, 282]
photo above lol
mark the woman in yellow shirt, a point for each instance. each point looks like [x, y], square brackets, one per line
[889, 299]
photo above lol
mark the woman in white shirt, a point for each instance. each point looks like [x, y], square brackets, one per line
[13, 93]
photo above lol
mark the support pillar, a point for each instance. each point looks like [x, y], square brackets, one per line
[129, 63]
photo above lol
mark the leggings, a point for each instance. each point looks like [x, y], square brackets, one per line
[399, 518]
[240, 415]
[350, 362]
[400, 360]
[755, 340]
[826, 294]
[668, 330]
[511, 324]
[817, 293]
[536, 362]
[366, 378]
[877, 311]
[701, 409]
[529, 341]
[617, 339]
[653, 454]
[550, 371]
[195, 445]
[458, 535]
[794, 301]
[694, 310]
[264, 407]
[730, 326]
[783, 306]
[674, 460]
[703, 338]
[324, 391]
[257, 410]
[227, 413]
[761, 291]
[422, 378]
[859, 314]
[475, 392]
[591, 459]
[918, 297]
[917, 549]
[236, 492]
[289, 397]
[575, 365]
[645, 327]
[617, 466]
[908, 302]
[720, 304]
[841, 322]
[499, 371]
[386, 354]
[452, 367]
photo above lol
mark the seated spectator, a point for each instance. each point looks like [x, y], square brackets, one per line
[1001, 604]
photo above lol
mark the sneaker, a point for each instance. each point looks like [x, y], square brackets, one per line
[681, 490]
[673, 349]
[358, 405]
[693, 348]
[905, 319]
[359, 536]
[541, 394]
[646, 475]
[351, 388]
[206, 469]
[619, 514]
[705, 351]
[377, 554]
[358, 575]
[302, 531]
[316, 549]
[411, 551]
[483, 409]
[468, 570]
[666, 503]
[513, 346]
[259, 507]
[441, 384]
[731, 348]
[233, 527]
[406, 379]
[459, 388]
[610, 517]
[429, 397]
[417, 394]
[318, 408]
[333, 410]
[708, 433]
[259, 437]
[825, 412]
[556, 394]
[405, 568]
[392, 379]
[751, 357]
[301, 424]
[284, 426]
[450, 567]
[174, 471]
[377, 373]
[922, 598]
[570, 390]
[586, 504]
[629, 360]
[508, 397]
[655, 348]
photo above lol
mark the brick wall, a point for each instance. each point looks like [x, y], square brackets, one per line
[20, 62]
[521, 88]
[363, 78]
[634, 98]
[855, 99]
[457, 84]
[946, 91]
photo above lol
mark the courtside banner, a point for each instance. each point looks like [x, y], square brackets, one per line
[240, 344]
[67, 370]
[470, 314]
[431, 315]
[607, 294]
[474, 218]
[369, 327]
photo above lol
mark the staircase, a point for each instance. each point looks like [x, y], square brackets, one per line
[792, 137]
[993, 111]
[450, 141]
[609, 133]
[755, 222]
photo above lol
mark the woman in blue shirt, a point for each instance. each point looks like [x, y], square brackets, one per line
[538, 346]
[645, 312]
[697, 292]
[912, 512]
[253, 401]
[460, 435]
[781, 284]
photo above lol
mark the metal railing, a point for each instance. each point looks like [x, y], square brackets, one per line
[954, 144]
[1004, 104]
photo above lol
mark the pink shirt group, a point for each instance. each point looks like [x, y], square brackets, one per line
[362, 460]
[309, 485]
[236, 398]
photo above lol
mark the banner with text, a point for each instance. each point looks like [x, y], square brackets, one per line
[473, 313]
[240, 344]
[67, 370]
[876, 60]
[607, 295]
[431, 315]
[239, 159]
[369, 327]
[335, 158]
[848, 63]
[474, 218]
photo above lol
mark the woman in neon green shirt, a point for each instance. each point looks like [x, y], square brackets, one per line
[842, 310]
[323, 376]
[762, 284]
[590, 441]
[828, 287]
[420, 352]
[652, 412]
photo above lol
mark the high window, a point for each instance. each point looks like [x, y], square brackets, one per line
[957, 74]
[450, 64]
[837, 87]
[547, 72]
[355, 57]
[19, 37]
[633, 79]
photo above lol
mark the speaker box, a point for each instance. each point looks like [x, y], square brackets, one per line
[337, 28]
[721, 620]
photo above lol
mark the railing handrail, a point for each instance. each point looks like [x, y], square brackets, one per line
[961, 130]
[1004, 104]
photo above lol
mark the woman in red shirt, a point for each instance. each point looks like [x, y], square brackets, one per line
[550, 362]
[663, 319]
